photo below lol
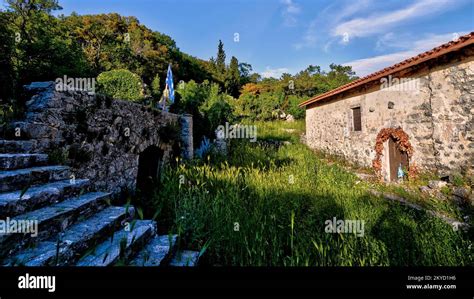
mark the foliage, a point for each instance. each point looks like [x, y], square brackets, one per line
[58, 156]
[6, 64]
[216, 107]
[232, 81]
[267, 98]
[204, 148]
[42, 48]
[268, 207]
[293, 108]
[155, 88]
[220, 60]
[88, 45]
[120, 84]
[207, 104]
[49, 47]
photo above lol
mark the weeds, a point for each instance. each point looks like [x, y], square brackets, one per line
[280, 209]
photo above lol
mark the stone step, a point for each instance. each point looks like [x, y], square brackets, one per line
[39, 196]
[15, 161]
[33, 130]
[122, 245]
[184, 258]
[156, 252]
[67, 247]
[20, 178]
[18, 146]
[53, 219]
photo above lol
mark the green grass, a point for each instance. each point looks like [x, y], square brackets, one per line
[279, 199]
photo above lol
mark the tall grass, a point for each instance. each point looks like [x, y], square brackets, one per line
[266, 206]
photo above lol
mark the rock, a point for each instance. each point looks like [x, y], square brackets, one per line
[290, 118]
[15, 161]
[440, 196]
[303, 138]
[425, 189]
[462, 192]
[444, 178]
[364, 176]
[436, 184]
[37, 86]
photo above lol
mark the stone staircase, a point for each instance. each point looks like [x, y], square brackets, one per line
[75, 224]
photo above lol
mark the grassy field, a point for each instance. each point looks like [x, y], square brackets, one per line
[267, 205]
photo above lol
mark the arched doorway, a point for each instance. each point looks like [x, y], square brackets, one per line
[149, 166]
[392, 150]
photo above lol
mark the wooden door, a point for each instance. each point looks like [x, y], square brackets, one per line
[396, 157]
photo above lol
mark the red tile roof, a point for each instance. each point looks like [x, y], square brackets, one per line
[455, 45]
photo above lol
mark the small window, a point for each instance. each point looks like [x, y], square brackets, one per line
[356, 119]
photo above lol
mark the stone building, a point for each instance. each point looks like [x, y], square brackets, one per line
[417, 114]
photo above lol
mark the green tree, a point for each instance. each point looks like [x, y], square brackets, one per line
[220, 60]
[155, 87]
[43, 50]
[245, 70]
[7, 44]
[232, 81]
[339, 75]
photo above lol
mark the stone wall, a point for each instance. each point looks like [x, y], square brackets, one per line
[437, 116]
[102, 138]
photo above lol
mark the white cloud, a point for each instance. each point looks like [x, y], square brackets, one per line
[328, 18]
[290, 11]
[413, 47]
[274, 73]
[340, 23]
[381, 22]
[351, 9]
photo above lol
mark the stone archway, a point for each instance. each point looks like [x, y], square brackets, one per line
[392, 148]
[149, 165]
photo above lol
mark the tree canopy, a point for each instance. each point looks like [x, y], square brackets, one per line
[38, 46]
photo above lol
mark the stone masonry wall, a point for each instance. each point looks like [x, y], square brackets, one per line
[102, 138]
[438, 118]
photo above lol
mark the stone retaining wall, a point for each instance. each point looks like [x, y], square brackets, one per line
[102, 138]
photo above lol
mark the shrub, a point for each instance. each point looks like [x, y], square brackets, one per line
[155, 88]
[293, 108]
[209, 107]
[216, 108]
[120, 84]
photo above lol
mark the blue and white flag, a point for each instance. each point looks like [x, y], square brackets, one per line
[168, 94]
[169, 84]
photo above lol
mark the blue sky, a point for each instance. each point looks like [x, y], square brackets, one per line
[277, 36]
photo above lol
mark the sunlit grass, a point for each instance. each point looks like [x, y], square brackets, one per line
[267, 207]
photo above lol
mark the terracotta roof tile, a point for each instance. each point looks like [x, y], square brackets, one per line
[461, 42]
